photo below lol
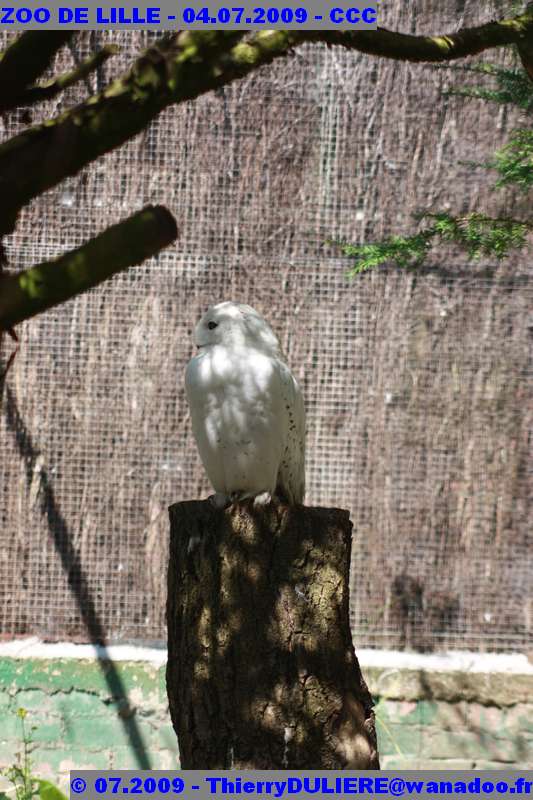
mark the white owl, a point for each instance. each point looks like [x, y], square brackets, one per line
[247, 409]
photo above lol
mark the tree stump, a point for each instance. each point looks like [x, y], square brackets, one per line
[261, 669]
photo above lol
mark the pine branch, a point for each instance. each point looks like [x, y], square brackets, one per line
[512, 86]
[514, 161]
[26, 59]
[130, 242]
[476, 233]
[38, 93]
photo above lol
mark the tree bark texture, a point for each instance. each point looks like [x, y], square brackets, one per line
[181, 67]
[26, 59]
[38, 93]
[120, 246]
[261, 670]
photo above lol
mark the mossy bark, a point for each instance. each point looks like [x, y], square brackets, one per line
[444, 47]
[177, 68]
[261, 669]
[181, 67]
[26, 59]
[129, 242]
[47, 89]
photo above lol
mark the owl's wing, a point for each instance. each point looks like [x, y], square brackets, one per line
[200, 400]
[291, 475]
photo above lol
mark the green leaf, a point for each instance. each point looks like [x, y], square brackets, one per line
[405, 251]
[512, 86]
[47, 791]
[514, 161]
[476, 233]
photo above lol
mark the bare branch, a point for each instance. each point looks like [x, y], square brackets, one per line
[181, 67]
[525, 49]
[446, 47]
[26, 59]
[36, 94]
[140, 236]
[178, 67]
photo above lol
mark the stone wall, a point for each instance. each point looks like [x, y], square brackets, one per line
[452, 718]
[460, 711]
[79, 722]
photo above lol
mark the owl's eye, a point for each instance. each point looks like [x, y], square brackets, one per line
[212, 325]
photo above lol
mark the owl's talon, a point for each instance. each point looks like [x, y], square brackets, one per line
[263, 499]
[220, 500]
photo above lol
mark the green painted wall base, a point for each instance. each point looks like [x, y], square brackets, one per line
[426, 719]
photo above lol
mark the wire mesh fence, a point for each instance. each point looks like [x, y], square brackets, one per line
[418, 385]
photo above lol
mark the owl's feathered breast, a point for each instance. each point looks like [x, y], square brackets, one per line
[247, 416]
[233, 401]
[232, 381]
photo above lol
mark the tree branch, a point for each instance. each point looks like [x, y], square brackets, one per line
[525, 49]
[36, 94]
[177, 68]
[140, 236]
[26, 59]
[405, 47]
[181, 67]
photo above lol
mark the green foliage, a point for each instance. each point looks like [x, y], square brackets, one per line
[25, 786]
[19, 774]
[511, 86]
[481, 235]
[405, 251]
[48, 791]
[476, 233]
[514, 162]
